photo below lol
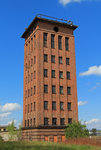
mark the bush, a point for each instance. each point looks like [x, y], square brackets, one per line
[1, 139]
[76, 130]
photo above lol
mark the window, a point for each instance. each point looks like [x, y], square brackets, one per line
[31, 62]
[45, 39]
[61, 89]
[34, 106]
[69, 106]
[45, 72]
[31, 107]
[34, 90]
[54, 121]
[28, 92]
[52, 40]
[45, 88]
[69, 120]
[31, 44]
[60, 60]
[25, 109]
[31, 91]
[61, 105]
[53, 89]
[34, 59]
[53, 59]
[53, 73]
[34, 41]
[53, 105]
[31, 76]
[68, 90]
[61, 74]
[45, 58]
[59, 42]
[45, 105]
[28, 123]
[62, 121]
[34, 121]
[31, 122]
[67, 61]
[66, 43]
[34, 74]
[28, 108]
[25, 123]
[68, 75]
[28, 78]
[45, 121]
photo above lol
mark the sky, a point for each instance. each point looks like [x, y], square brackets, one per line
[15, 16]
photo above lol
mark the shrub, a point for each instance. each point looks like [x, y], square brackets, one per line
[76, 130]
[1, 139]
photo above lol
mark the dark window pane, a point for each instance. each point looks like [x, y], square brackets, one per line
[45, 104]
[68, 75]
[34, 121]
[54, 121]
[31, 122]
[52, 40]
[53, 59]
[66, 43]
[53, 73]
[69, 120]
[45, 58]
[61, 74]
[59, 42]
[68, 90]
[62, 121]
[53, 105]
[67, 61]
[69, 106]
[45, 121]
[53, 89]
[61, 105]
[45, 72]
[61, 89]
[45, 39]
[60, 60]
[45, 88]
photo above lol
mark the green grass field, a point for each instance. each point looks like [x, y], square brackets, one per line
[43, 146]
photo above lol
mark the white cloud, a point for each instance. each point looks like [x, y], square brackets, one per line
[94, 70]
[94, 123]
[10, 107]
[65, 2]
[4, 115]
[81, 103]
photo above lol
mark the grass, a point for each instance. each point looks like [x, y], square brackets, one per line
[43, 146]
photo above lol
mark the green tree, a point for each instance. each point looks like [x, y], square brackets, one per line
[11, 130]
[94, 131]
[76, 130]
[19, 132]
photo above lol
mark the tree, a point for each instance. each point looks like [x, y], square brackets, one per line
[19, 132]
[11, 130]
[76, 130]
[94, 131]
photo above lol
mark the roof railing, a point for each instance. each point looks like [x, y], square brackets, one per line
[54, 18]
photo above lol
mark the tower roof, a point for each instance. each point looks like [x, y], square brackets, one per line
[48, 19]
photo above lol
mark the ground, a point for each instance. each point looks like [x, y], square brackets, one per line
[43, 146]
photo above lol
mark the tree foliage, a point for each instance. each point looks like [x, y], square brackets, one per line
[76, 130]
[11, 130]
[94, 131]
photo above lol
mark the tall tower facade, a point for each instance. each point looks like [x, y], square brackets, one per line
[50, 90]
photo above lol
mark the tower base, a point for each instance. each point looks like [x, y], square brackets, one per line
[52, 134]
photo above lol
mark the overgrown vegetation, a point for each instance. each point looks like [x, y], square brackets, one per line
[43, 146]
[1, 139]
[14, 134]
[76, 130]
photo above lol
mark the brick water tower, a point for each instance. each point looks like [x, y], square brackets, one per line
[50, 89]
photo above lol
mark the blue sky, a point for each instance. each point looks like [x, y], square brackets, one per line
[14, 17]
